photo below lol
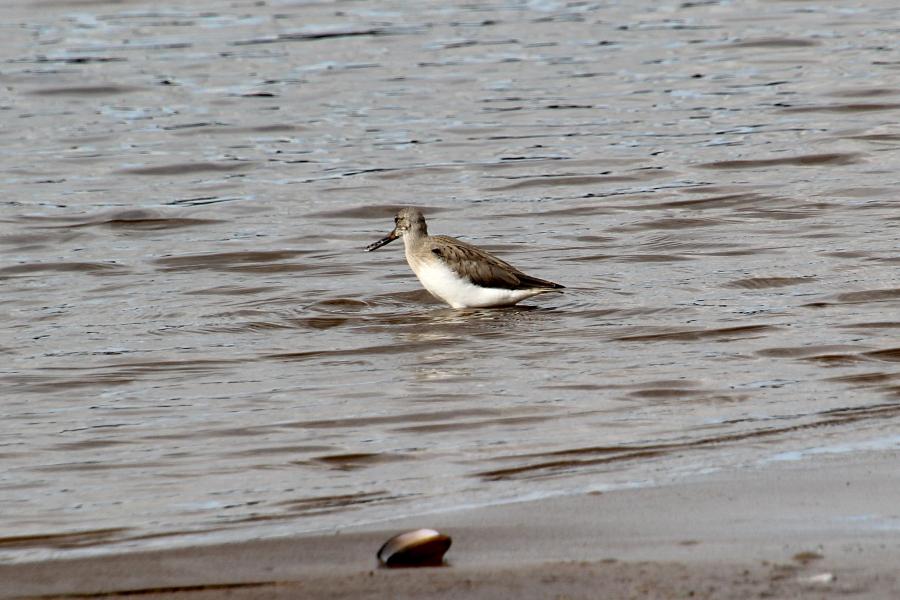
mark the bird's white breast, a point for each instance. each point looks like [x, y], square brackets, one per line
[444, 283]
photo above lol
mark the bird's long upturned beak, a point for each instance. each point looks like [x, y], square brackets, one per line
[383, 241]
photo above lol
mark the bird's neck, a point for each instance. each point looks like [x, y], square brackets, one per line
[415, 237]
[413, 242]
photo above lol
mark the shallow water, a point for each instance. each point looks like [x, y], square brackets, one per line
[197, 349]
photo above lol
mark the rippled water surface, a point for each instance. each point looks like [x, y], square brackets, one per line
[194, 344]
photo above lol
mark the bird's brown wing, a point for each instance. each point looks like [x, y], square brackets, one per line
[481, 268]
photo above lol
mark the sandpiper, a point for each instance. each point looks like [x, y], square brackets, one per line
[458, 273]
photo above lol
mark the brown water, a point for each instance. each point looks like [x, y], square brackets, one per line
[195, 347]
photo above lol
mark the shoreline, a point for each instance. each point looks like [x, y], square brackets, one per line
[818, 527]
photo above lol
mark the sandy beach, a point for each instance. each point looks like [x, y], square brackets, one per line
[808, 529]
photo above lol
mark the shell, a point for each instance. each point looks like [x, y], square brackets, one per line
[418, 548]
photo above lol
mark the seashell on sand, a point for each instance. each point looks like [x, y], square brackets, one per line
[418, 548]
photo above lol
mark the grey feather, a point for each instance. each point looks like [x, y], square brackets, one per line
[483, 269]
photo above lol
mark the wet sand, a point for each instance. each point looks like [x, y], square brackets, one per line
[818, 528]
